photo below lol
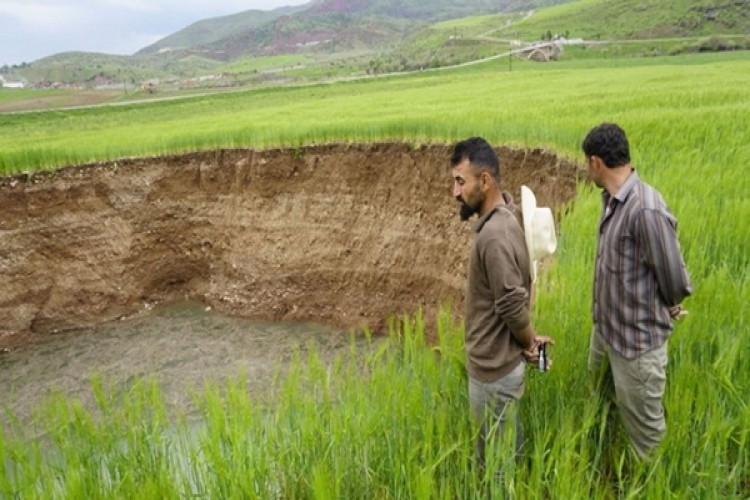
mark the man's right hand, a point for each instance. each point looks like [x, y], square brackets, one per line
[677, 312]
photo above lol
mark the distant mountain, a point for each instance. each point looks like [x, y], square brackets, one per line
[211, 30]
[429, 10]
[325, 28]
[327, 38]
[331, 25]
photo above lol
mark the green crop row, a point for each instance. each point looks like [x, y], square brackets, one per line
[399, 428]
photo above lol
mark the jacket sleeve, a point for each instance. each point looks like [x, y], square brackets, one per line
[506, 281]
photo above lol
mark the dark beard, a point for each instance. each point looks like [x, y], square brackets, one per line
[467, 211]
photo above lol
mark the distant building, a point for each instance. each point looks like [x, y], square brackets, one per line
[10, 85]
[150, 86]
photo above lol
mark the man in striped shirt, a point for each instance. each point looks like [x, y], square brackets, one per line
[640, 281]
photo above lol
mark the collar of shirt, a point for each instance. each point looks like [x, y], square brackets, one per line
[483, 219]
[610, 202]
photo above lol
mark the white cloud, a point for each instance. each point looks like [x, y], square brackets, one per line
[134, 5]
[38, 17]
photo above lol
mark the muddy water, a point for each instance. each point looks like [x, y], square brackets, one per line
[183, 344]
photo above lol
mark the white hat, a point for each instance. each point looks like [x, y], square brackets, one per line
[538, 228]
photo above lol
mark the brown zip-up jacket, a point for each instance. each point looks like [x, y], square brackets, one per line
[497, 294]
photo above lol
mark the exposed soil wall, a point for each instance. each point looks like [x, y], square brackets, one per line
[340, 234]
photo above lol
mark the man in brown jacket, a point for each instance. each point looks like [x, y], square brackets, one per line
[498, 328]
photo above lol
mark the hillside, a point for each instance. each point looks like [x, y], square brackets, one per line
[632, 28]
[336, 25]
[637, 19]
[211, 30]
[328, 27]
[327, 39]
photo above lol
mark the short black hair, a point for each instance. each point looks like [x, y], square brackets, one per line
[479, 153]
[609, 142]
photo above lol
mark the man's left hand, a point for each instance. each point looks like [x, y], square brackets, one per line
[532, 355]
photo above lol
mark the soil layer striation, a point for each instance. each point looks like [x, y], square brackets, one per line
[342, 234]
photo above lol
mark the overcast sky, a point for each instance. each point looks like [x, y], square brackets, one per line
[32, 29]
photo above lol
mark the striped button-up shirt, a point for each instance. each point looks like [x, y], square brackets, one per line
[639, 271]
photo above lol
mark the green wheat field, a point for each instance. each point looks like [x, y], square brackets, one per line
[392, 422]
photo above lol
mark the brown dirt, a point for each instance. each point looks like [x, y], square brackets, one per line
[340, 234]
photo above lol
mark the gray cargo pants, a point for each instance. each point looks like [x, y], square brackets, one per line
[639, 388]
[493, 405]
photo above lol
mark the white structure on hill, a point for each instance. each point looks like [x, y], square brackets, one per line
[10, 85]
